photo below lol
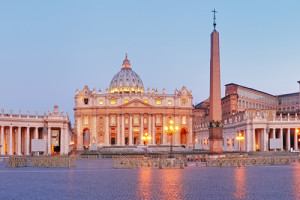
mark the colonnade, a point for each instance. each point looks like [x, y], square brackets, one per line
[129, 128]
[147, 123]
[16, 140]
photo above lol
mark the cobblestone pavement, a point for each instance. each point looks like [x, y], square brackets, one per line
[96, 179]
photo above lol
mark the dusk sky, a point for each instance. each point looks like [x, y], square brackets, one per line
[49, 49]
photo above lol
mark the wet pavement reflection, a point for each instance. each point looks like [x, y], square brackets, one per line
[96, 179]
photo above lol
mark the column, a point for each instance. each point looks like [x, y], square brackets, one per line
[118, 130]
[153, 130]
[238, 146]
[247, 140]
[36, 133]
[123, 131]
[142, 130]
[266, 148]
[27, 141]
[62, 141]
[130, 130]
[295, 140]
[67, 142]
[107, 130]
[274, 133]
[149, 128]
[176, 135]
[281, 138]
[190, 132]
[10, 141]
[253, 139]
[49, 145]
[94, 139]
[288, 137]
[19, 141]
[2, 140]
[164, 134]
[79, 135]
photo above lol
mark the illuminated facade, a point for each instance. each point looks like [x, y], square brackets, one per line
[126, 112]
[17, 132]
[257, 116]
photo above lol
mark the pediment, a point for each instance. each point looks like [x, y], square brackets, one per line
[136, 103]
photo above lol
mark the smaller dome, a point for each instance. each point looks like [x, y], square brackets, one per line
[126, 80]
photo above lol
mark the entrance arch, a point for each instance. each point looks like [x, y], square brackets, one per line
[86, 137]
[183, 134]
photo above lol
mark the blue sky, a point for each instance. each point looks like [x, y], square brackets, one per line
[48, 49]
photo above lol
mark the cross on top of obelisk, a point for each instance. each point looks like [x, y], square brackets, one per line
[214, 11]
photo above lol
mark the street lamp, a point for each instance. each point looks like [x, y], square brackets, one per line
[146, 138]
[171, 129]
[240, 138]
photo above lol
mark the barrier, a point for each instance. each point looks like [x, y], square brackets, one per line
[47, 161]
[253, 161]
[136, 162]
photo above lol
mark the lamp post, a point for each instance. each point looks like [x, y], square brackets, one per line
[146, 138]
[240, 138]
[171, 129]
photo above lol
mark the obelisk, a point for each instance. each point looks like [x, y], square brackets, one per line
[215, 109]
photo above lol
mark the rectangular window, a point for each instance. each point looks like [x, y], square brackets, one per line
[101, 102]
[169, 102]
[184, 120]
[158, 101]
[86, 120]
[126, 100]
[113, 101]
[145, 101]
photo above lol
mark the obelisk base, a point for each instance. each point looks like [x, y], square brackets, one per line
[215, 140]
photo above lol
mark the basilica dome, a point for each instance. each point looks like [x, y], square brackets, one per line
[126, 80]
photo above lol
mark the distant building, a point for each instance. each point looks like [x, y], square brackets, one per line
[18, 131]
[256, 115]
[122, 115]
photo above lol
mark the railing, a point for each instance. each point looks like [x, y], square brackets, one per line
[47, 161]
[237, 162]
[146, 162]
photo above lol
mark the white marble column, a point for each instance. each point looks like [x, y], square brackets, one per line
[266, 148]
[19, 141]
[190, 132]
[10, 141]
[164, 134]
[247, 140]
[153, 130]
[62, 142]
[79, 134]
[27, 141]
[49, 145]
[107, 130]
[295, 140]
[142, 130]
[176, 135]
[94, 138]
[123, 131]
[288, 137]
[281, 139]
[130, 130]
[253, 139]
[36, 133]
[149, 129]
[2, 140]
[66, 141]
[118, 130]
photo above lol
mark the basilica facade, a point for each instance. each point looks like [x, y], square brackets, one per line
[126, 112]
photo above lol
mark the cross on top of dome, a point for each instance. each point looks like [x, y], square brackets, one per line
[126, 62]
